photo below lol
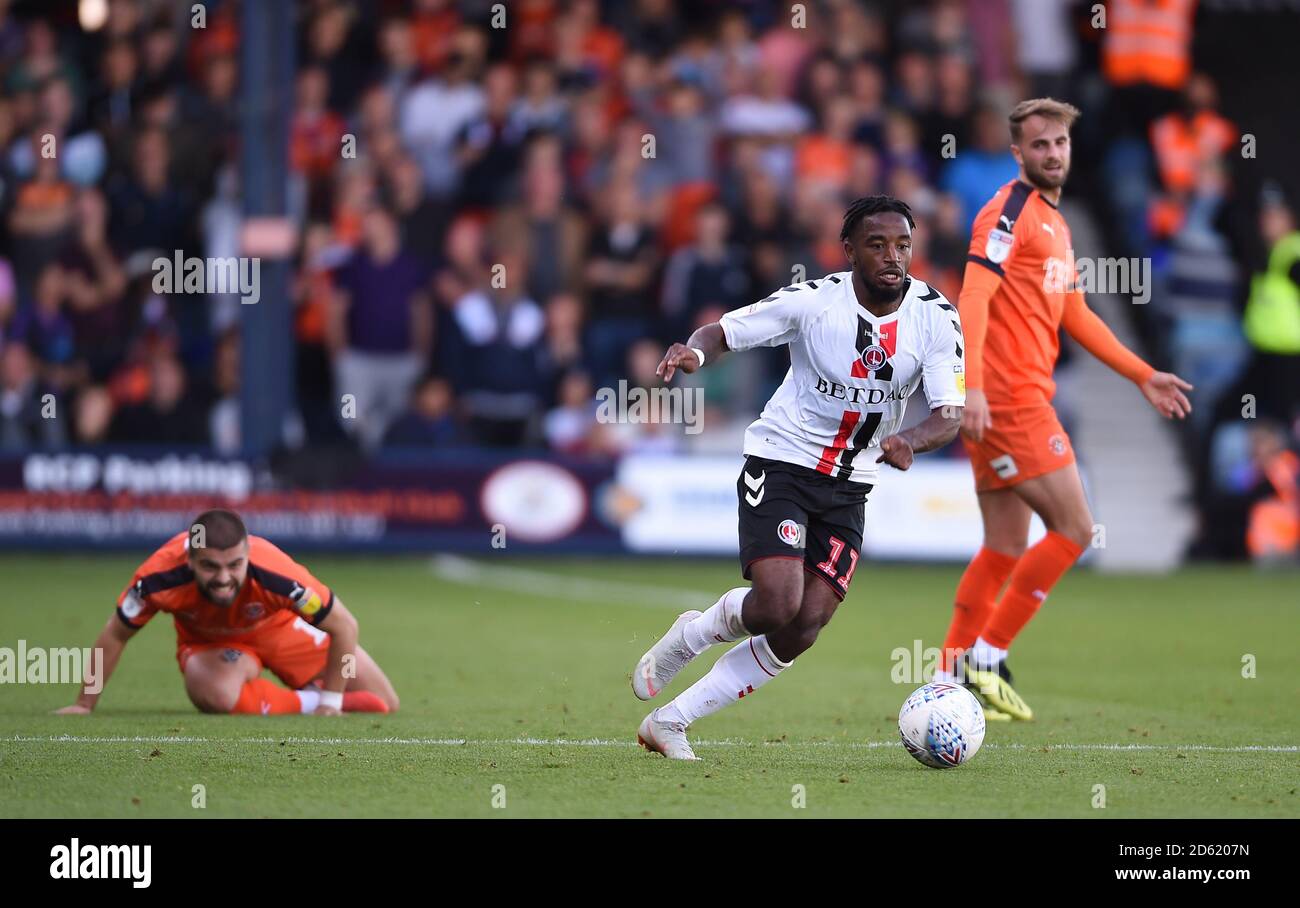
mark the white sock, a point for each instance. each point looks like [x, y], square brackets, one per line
[720, 624]
[309, 697]
[742, 670]
[986, 655]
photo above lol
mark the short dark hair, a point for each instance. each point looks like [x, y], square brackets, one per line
[222, 529]
[874, 204]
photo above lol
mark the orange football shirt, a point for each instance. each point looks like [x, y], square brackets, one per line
[277, 590]
[1018, 291]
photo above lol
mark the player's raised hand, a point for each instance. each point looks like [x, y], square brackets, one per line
[1164, 391]
[896, 452]
[975, 418]
[75, 709]
[679, 356]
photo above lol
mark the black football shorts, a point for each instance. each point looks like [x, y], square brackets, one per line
[789, 511]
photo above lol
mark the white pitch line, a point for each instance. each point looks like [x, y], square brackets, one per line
[605, 742]
[469, 572]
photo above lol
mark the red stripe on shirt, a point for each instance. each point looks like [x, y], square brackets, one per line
[832, 451]
[889, 337]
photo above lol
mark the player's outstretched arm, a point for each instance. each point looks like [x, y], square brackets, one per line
[1163, 390]
[708, 339]
[111, 641]
[344, 632]
[935, 431]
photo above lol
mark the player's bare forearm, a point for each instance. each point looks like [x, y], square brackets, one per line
[341, 648]
[935, 431]
[344, 633]
[110, 643]
[708, 339]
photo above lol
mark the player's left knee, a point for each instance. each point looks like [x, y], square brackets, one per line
[214, 700]
[809, 624]
[1079, 531]
[816, 609]
[1075, 526]
[827, 614]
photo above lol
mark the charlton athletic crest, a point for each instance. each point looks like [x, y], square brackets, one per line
[874, 357]
[790, 533]
[875, 344]
[1057, 444]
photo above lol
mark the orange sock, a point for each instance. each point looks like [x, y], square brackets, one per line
[1033, 578]
[264, 697]
[976, 593]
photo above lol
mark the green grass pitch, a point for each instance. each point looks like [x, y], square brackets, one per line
[513, 672]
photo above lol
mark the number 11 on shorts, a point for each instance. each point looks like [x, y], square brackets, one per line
[828, 566]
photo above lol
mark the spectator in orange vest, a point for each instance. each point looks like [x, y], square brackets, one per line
[1146, 56]
[1185, 142]
[1273, 532]
[1148, 42]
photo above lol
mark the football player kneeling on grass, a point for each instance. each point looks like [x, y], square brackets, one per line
[240, 605]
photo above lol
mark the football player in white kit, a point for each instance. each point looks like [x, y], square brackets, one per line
[861, 342]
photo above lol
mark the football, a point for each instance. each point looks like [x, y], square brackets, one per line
[942, 725]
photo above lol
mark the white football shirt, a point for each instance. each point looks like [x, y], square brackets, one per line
[850, 372]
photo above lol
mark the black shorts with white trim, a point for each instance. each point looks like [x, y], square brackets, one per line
[791, 511]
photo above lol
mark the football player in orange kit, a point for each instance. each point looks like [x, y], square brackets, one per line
[240, 604]
[1013, 301]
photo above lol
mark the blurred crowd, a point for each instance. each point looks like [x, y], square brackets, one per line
[568, 194]
[496, 222]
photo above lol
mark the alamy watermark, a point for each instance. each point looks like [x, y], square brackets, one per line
[76, 861]
[920, 663]
[624, 404]
[1127, 277]
[57, 665]
[179, 274]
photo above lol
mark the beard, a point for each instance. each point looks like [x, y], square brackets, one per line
[221, 596]
[1053, 180]
[881, 293]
